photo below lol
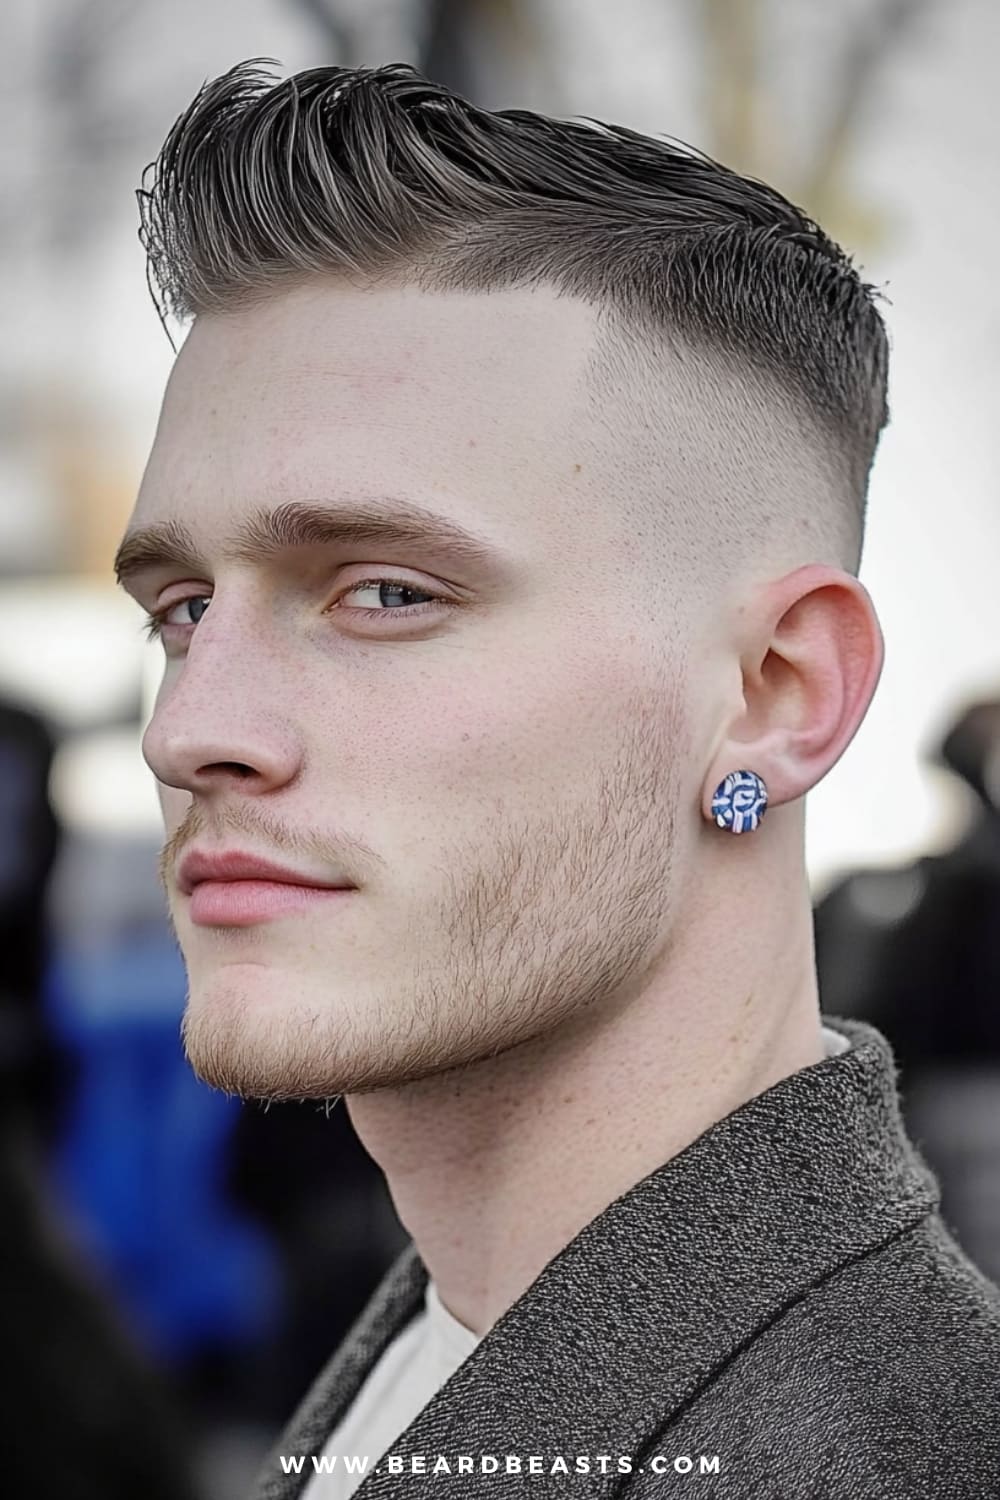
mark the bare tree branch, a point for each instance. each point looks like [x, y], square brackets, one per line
[865, 52]
[731, 81]
[337, 36]
[744, 134]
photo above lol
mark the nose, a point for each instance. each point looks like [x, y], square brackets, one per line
[210, 731]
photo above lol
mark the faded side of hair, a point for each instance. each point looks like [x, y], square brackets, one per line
[379, 174]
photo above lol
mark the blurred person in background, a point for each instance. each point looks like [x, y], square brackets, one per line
[83, 1417]
[914, 950]
[520, 467]
[35, 1073]
[304, 1175]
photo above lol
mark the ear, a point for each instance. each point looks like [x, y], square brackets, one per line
[811, 653]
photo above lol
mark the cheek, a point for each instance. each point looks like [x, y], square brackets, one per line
[530, 729]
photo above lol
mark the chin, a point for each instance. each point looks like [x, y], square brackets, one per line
[287, 1047]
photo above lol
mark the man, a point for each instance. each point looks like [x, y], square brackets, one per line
[521, 467]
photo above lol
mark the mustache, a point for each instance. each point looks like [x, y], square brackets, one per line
[264, 833]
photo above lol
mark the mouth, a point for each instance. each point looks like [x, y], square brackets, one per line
[243, 903]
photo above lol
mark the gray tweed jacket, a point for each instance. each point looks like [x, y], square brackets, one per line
[782, 1296]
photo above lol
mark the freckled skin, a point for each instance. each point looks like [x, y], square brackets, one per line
[549, 933]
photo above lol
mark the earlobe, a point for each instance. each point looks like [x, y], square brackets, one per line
[740, 802]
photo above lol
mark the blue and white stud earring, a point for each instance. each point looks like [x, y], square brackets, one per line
[740, 802]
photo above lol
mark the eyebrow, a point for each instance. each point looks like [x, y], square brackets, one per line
[266, 532]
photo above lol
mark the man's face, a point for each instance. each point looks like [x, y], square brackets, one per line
[497, 775]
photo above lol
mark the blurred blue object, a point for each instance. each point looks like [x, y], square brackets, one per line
[141, 1158]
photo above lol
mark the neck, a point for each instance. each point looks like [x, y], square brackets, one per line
[494, 1168]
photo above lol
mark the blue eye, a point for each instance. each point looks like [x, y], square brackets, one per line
[388, 586]
[159, 619]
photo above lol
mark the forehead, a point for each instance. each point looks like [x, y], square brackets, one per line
[331, 387]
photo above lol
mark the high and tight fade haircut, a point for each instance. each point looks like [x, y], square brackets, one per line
[380, 174]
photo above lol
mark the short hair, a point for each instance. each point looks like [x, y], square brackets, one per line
[383, 174]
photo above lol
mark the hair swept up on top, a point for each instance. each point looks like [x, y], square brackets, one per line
[381, 173]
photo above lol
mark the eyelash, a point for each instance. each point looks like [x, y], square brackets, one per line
[154, 624]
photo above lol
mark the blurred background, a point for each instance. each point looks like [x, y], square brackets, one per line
[176, 1266]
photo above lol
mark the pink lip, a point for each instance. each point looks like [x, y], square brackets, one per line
[233, 864]
[240, 903]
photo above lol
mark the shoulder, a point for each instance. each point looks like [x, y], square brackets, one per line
[882, 1381]
[916, 1313]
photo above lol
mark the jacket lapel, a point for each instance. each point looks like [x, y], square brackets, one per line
[394, 1302]
[631, 1319]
